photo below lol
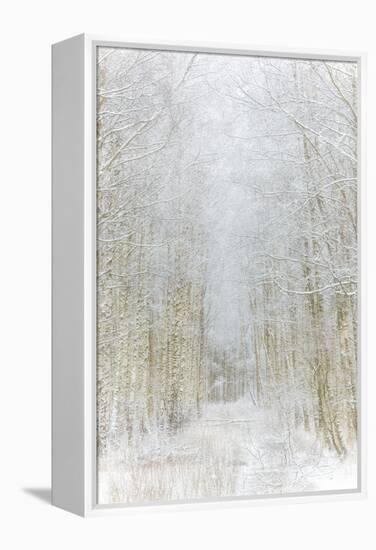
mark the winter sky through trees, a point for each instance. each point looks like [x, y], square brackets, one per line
[226, 276]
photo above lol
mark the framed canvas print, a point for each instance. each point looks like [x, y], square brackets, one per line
[206, 274]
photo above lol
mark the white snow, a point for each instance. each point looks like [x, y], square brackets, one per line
[233, 450]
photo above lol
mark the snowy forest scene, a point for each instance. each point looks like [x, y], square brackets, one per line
[227, 271]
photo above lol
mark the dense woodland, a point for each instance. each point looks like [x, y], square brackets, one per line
[226, 269]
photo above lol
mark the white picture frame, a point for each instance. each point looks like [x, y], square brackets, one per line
[74, 271]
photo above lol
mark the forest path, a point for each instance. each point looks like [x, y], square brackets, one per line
[234, 449]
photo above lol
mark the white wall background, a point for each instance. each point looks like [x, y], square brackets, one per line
[27, 30]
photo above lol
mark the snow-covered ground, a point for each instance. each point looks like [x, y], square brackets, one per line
[232, 450]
